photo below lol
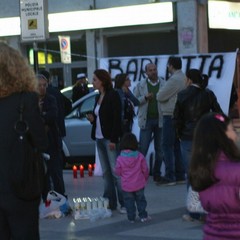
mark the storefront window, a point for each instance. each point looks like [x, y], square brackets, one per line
[79, 50]
[53, 49]
[49, 52]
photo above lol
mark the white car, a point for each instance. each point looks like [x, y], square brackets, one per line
[67, 92]
[78, 142]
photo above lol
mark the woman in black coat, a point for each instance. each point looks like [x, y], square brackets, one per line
[192, 103]
[18, 218]
[106, 130]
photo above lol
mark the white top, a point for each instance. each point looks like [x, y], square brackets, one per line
[98, 133]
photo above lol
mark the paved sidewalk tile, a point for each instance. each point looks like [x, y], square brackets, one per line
[165, 206]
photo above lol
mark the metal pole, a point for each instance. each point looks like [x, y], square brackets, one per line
[35, 56]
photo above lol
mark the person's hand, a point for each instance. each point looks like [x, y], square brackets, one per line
[149, 96]
[90, 117]
[112, 146]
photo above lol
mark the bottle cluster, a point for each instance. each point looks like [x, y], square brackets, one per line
[91, 208]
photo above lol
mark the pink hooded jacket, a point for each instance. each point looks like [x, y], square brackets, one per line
[132, 167]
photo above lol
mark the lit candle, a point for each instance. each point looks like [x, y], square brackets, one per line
[81, 171]
[90, 170]
[74, 171]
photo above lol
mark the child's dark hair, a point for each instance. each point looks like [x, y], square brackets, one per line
[209, 140]
[128, 141]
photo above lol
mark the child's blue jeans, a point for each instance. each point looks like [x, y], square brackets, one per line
[133, 200]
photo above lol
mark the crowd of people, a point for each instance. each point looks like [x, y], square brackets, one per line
[191, 135]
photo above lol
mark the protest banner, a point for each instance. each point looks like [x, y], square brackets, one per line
[220, 68]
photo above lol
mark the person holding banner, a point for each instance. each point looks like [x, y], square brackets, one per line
[150, 116]
[170, 144]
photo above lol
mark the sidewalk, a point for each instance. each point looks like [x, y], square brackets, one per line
[165, 206]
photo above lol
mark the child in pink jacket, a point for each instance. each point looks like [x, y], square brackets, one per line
[132, 167]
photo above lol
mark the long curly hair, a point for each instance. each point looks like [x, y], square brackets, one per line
[15, 73]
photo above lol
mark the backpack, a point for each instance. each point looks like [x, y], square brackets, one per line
[128, 112]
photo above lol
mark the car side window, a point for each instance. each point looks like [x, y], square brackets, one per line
[86, 106]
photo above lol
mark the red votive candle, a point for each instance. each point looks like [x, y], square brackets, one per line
[90, 170]
[74, 171]
[81, 168]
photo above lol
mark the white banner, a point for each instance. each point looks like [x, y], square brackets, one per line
[219, 67]
[65, 49]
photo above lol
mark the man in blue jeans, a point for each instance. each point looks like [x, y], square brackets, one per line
[150, 116]
[167, 96]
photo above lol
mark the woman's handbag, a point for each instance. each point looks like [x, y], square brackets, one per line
[27, 171]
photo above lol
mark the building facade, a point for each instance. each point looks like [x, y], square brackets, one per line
[188, 32]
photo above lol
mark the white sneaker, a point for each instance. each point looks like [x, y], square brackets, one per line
[122, 210]
[148, 218]
[187, 218]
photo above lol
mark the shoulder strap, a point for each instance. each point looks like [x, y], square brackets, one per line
[21, 108]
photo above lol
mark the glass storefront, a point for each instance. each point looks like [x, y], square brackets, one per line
[49, 58]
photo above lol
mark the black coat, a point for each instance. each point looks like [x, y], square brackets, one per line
[49, 114]
[79, 91]
[192, 103]
[60, 105]
[9, 108]
[110, 116]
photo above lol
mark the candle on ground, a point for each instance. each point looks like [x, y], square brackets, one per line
[74, 171]
[81, 171]
[90, 170]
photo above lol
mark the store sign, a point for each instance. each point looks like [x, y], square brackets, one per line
[34, 23]
[220, 68]
[224, 15]
[65, 49]
[140, 14]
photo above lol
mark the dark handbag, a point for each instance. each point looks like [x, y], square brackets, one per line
[28, 172]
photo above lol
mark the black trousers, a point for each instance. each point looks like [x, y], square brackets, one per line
[54, 177]
[19, 219]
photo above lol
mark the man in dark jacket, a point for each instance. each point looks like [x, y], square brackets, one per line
[49, 113]
[59, 99]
